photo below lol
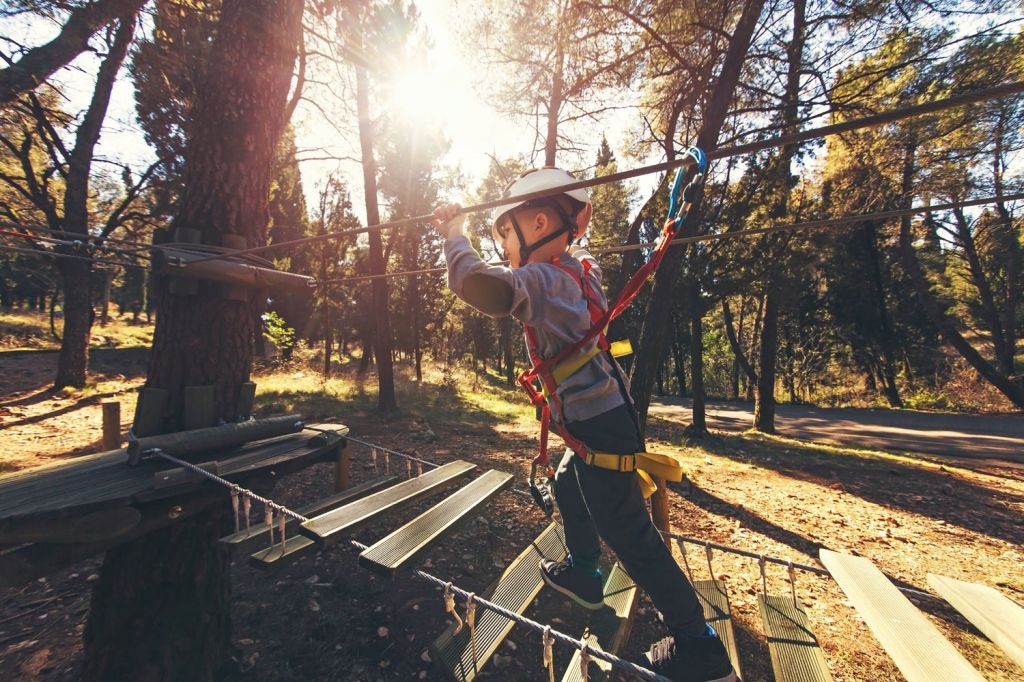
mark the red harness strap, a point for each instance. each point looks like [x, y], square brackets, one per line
[600, 319]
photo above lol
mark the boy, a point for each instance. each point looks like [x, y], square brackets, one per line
[546, 288]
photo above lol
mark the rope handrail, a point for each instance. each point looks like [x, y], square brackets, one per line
[870, 121]
[614, 660]
[717, 236]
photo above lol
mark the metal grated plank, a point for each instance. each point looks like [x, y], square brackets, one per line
[328, 527]
[916, 646]
[796, 656]
[257, 530]
[391, 553]
[992, 612]
[714, 597]
[609, 626]
[517, 587]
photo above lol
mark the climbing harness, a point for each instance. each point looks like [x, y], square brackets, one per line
[549, 372]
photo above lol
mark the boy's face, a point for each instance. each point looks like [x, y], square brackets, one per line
[509, 242]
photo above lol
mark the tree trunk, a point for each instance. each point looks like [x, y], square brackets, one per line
[386, 401]
[734, 343]
[698, 420]
[938, 317]
[877, 284]
[680, 367]
[169, 591]
[764, 405]
[73, 362]
[108, 281]
[554, 103]
[658, 315]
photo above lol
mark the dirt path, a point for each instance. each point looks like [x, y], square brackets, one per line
[957, 435]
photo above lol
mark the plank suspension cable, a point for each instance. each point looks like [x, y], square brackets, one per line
[718, 236]
[871, 121]
[449, 588]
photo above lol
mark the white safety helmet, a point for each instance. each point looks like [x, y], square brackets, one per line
[536, 180]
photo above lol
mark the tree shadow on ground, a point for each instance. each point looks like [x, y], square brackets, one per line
[921, 489]
[76, 405]
[758, 524]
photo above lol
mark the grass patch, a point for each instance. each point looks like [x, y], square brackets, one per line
[26, 330]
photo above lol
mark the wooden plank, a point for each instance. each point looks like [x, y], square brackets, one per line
[395, 551]
[992, 612]
[714, 597]
[330, 526]
[609, 627]
[200, 410]
[516, 588]
[794, 650]
[245, 536]
[102, 481]
[915, 645]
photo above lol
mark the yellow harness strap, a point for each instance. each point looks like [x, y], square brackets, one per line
[567, 368]
[647, 465]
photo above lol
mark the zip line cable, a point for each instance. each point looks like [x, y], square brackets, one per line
[71, 243]
[141, 246]
[788, 227]
[871, 121]
[69, 256]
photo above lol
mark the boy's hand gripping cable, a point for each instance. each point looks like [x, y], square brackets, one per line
[681, 201]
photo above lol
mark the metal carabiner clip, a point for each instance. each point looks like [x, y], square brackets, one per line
[541, 490]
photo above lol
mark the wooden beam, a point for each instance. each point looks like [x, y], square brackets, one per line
[181, 263]
[988, 609]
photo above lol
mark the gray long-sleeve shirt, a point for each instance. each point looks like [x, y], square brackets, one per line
[548, 299]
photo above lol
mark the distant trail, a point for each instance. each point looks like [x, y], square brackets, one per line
[952, 435]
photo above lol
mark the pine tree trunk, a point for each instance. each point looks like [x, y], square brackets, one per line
[386, 400]
[698, 422]
[764, 405]
[73, 359]
[160, 610]
[658, 315]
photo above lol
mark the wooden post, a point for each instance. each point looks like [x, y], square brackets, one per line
[111, 424]
[341, 468]
[659, 508]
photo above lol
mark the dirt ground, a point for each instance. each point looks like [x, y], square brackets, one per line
[325, 618]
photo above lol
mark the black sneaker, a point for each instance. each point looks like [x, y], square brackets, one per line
[691, 659]
[585, 590]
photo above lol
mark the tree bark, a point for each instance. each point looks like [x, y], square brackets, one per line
[658, 315]
[734, 343]
[698, 419]
[892, 394]
[764, 405]
[160, 609]
[39, 63]
[386, 400]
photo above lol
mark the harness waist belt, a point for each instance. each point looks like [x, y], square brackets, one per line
[646, 464]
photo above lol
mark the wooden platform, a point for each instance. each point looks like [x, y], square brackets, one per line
[517, 587]
[714, 597]
[395, 551]
[329, 527]
[916, 646]
[103, 481]
[609, 627]
[794, 650]
[988, 609]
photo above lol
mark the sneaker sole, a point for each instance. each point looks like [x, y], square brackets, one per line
[572, 595]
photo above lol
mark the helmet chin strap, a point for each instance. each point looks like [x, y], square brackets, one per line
[525, 250]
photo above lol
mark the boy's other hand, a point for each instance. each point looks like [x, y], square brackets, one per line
[449, 221]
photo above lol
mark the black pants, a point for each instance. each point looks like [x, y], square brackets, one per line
[604, 504]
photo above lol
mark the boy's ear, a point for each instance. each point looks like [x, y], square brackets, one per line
[583, 218]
